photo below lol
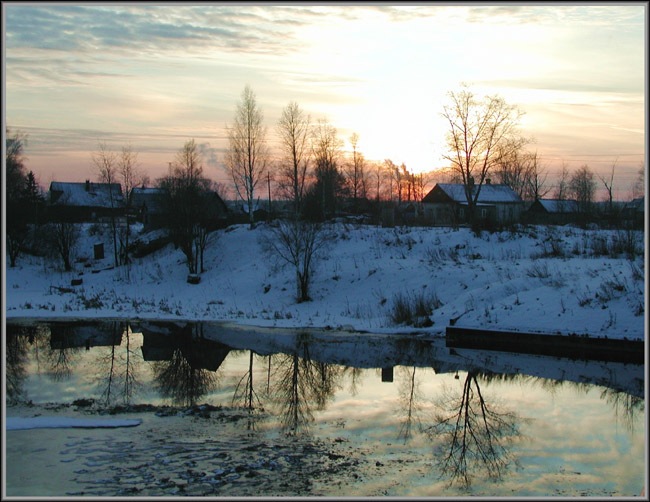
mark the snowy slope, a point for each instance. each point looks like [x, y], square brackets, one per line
[500, 280]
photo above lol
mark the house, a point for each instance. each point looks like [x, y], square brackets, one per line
[446, 204]
[634, 213]
[148, 206]
[552, 211]
[84, 202]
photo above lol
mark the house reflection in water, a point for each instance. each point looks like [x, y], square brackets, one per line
[199, 352]
[69, 336]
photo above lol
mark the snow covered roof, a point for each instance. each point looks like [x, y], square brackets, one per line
[149, 197]
[488, 194]
[86, 194]
[559, 206]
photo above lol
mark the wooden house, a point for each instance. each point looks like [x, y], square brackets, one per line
[446, 204]
[85, 202]
[552, 212]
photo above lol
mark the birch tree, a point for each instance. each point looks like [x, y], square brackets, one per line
[106, 163]
[247, 156]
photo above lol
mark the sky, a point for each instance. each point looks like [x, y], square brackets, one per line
[157, 75]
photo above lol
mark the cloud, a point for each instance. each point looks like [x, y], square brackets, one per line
[145, 28]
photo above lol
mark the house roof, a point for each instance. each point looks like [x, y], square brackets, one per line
[149, 197]
[488, 194]
[86, 194]
[559, 206]
[637, 204]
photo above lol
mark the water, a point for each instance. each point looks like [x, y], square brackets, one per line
[372, 415]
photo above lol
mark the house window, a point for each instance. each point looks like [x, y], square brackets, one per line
[483, 213]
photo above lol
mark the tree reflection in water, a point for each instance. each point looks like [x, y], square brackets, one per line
[626, 407]
[183, 377]
[473, 436]
[246, 396]
[302, 385]
[410, 399]
[117, 365]
[17, 347]
[63, 352]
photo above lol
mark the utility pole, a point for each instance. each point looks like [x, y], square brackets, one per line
[268, 179]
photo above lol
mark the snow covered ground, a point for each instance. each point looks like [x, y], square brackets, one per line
[546, 279]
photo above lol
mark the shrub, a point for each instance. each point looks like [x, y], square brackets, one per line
[415, 309]
[539, 270]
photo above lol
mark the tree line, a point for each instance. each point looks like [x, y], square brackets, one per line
[312, 172]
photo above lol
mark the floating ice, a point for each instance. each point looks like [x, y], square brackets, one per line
[21, 423]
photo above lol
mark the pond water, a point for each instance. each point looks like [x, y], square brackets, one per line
[266, 412]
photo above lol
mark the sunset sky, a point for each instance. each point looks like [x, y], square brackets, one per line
[156, 76]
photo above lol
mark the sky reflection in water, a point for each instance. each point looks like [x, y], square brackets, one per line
[542, 436]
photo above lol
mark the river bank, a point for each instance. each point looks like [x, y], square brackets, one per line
[533, 279]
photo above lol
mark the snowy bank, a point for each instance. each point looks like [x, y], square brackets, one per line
[557, 280]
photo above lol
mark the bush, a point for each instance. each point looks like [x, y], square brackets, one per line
[415, 309]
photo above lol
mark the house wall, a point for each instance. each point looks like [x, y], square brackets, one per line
[439, 213]
[449, 214]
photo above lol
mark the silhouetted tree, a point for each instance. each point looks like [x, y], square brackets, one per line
[293, 129]
[15, 183]
[356, 174]
[329, 186]
[189, 204]
[480, 132]
[583, 188]
[106, 163]
[247, 154]
[62, 237]
[300, 244]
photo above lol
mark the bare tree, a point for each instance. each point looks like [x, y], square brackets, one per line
[609, 184]
[355, 172]
[298, 243]
[293, 129]
[247, 154]
[480, 132]
[511, 167]
[562, 188]
[535, 179]
[638, 188]
[329, 182]
[130, 177]
[189, 204]
[378, 176]
[62, 237]
[15, 181]
[583, 187]
[395, 179]
[106, 163]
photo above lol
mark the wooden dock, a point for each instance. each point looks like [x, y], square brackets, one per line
[571, 346]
